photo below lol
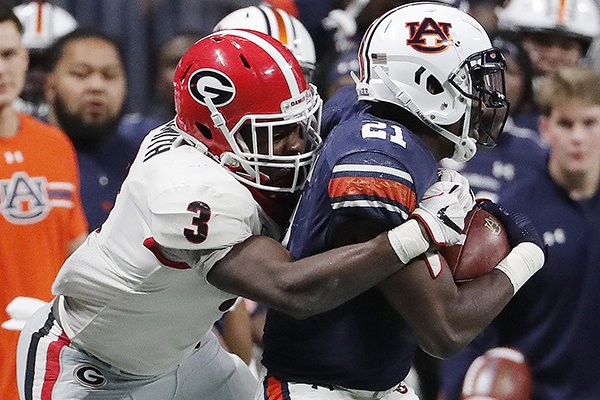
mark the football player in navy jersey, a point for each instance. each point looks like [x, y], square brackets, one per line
[554, 319]
[342, 104]
[431, 86]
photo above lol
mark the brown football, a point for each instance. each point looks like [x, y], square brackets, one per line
[502, 373]
[485, 246]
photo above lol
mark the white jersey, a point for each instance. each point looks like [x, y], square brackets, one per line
[138, 309]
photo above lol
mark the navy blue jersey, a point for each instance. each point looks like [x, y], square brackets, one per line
[102, 172]
[553, 319]
[341, 105]
[519, 152]
[373, 172]
[134, 127]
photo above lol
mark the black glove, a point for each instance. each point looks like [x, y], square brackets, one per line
[519, 227]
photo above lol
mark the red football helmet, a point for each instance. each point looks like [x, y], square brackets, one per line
[501, 373]
[236, 81]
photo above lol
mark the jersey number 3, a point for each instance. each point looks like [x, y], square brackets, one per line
[200, 221]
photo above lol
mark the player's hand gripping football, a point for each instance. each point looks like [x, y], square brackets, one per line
[442, 213]
[528, 250]
[443, 208]
[465, 194]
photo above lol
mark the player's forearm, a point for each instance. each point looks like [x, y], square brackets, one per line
[445, 317]
[475, 304]
[261, 269]
[325, 281]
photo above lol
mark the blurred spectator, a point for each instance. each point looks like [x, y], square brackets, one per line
[86, 89]
[555, 33]
[346, 25]
[519, 80]
[553, 319]
[162, 107]
[41, 219]
[43, 23]
[338, 72]
[141, 26]
[484, 11]
[311, 14]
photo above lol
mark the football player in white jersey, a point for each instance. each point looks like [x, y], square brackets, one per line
[196, 224]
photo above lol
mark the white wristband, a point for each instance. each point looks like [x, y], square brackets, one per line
[408, 241]
[521, 263]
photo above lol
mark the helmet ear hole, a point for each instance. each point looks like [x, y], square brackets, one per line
[433, 85]
[204, 130]
[245, 62]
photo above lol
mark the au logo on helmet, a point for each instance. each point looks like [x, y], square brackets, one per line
[213, 84]
[438, 32]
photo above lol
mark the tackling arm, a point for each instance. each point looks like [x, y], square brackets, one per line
[261, 269]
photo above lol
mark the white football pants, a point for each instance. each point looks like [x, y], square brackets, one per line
[49, 367]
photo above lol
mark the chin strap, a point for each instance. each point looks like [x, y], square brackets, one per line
[464, 150]
[464, 146]
[227, 158]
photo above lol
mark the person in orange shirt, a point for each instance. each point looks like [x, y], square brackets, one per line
[41, 217]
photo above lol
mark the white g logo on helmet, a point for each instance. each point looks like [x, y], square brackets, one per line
[211, 83]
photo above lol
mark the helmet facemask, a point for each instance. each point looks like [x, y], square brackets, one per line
[253, 140]
[480, 78]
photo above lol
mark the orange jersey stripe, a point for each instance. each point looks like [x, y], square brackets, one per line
[385, 188]
[273, 389]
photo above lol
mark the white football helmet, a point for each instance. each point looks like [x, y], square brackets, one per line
[437, 63]
[43, 23]
[578, 19]
[279, 24]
